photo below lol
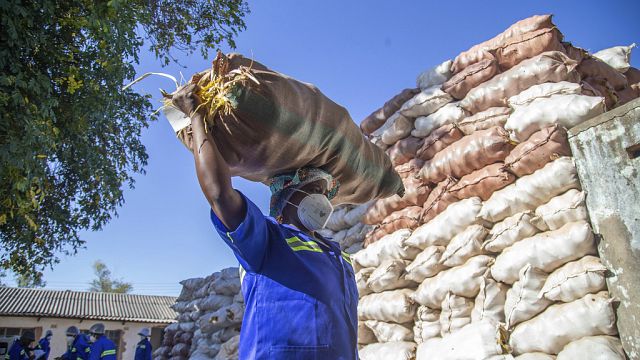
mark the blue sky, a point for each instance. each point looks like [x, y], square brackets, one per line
[359, 53]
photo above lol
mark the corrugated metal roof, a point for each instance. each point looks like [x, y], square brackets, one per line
[86, 305]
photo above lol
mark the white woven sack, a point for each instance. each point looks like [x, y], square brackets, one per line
[388, 332]
[535, 356]
[388, 124]
[426, 264]
[461, 280]
[545, 251]
[449, 114]
[593, 348]
[362, 277]
[456, 313]
[391, 306]
[365, 335]
[353, 235]
[465, 245]
[575, 279]
[508, 231]
[425, 102]
[426, 313]
[427, 324]
[565, 110]
[229, 350]
[531, 191]
[522, 301]
[435, 76]
[476, 341]
[400, 129]
[389, 276]
[214, 302]
[390, 247]
[336, 221]
[392, 350]
[545, 90]
[547, 67]
[563, 323]
[560, 210]
[618, 57]
[489, 304]
[355, 215]
[454, 219]
[377, 141]
[354, 249]
[501, 357]
[425, 330]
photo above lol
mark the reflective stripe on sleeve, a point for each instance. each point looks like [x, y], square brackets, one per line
[108, 352]
[346, 257]
[298, 245]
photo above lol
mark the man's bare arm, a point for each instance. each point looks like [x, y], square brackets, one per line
[211, 168]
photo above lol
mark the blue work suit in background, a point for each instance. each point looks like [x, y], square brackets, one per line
[79, 349]
[301, 297]
[17, 351]
[44, 345]
[103, 349]
[143, 350]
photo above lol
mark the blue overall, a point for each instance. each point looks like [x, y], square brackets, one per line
[103, 349]
[17, 351]
[44, 345]
[79, 349]
[301, 297]
[143, 350]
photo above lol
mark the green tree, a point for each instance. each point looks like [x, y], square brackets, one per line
[26, 281]
[69, 136]
[104, 282]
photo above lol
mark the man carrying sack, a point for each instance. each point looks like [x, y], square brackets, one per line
[299, 289]
[242, 119]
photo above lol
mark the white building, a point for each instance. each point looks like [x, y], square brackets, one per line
[123, 315]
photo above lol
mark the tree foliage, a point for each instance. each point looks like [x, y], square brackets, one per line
[104, 282]
[26, 281]
[69, 136]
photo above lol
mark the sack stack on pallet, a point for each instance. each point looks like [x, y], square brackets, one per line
[210, 315]
[490, 253]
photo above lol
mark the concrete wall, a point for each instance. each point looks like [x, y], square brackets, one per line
[129, 335]
[607, 153]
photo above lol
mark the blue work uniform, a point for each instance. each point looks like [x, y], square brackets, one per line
[79, 349]
[44, 345]
[17, 351]
[300, 295]
[143, 350]
[103, 349]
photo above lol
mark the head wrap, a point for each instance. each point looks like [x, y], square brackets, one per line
[284, 185]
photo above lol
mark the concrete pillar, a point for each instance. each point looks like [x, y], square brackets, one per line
[607, 154]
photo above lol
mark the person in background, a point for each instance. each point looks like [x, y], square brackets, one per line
[77, 345]
[101, 347]
[22, 348]
[143, 349]
[43, 349]
[299, 288]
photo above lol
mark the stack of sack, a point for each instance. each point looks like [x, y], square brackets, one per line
[490, 254]
[210, 315]
[346, 228]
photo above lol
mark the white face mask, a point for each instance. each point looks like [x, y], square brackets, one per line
[70, 339]
[313, 211]
[92, 338]
[142, 337]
